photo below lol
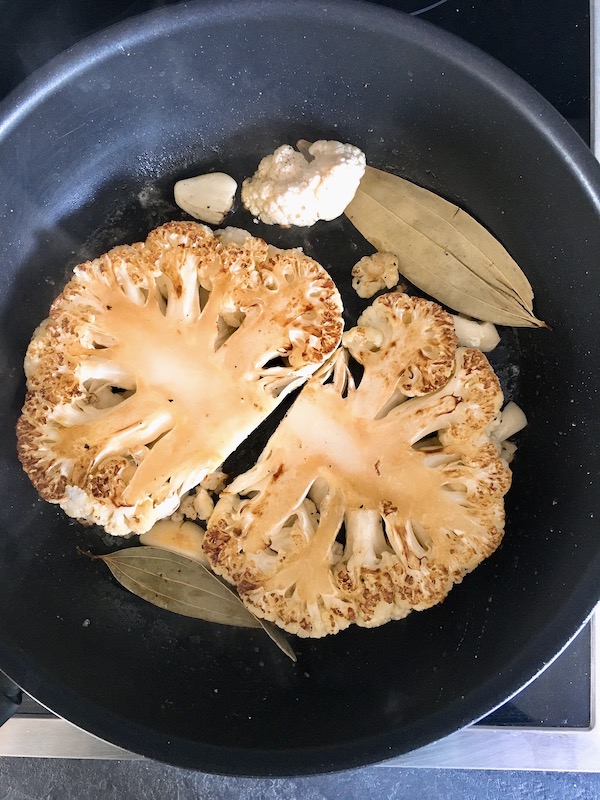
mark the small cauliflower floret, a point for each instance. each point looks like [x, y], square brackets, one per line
[202, 504]
[287, 189]
[472, 333]
[375, 272]
[214, 482]
[208, 198]
[359, 513]
[197, 504]
[158, 360]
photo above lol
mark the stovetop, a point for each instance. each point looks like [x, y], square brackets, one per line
[551, 724]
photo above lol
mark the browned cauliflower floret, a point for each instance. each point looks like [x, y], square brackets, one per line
[157, 360]
[370, 501]
[406, 346]
[375, 272]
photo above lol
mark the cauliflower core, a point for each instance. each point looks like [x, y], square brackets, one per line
[157, 360]
[287, 189]
[370, 499]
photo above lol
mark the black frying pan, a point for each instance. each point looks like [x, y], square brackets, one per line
[89, 150]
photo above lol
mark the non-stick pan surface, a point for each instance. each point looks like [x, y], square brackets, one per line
[89, 150]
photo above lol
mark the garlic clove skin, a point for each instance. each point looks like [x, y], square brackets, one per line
[208, 198]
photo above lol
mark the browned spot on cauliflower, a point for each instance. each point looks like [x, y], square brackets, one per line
[329, 542]
[157, 360]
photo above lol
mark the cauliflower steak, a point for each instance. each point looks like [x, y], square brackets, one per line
[373, 497]
[156, 362]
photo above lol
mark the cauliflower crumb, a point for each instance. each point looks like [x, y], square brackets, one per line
[186, 509]
[287, 189]
[215, 481]
[197, 504]
[373, 273]
[193, 506]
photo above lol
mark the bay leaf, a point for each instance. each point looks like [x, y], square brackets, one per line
[275, 634]
[179, 584]
[185, 586]
[442, 250]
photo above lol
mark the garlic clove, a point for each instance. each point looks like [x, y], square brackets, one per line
[184, 538]
[512, 420]
[208, 198]
[471, 333]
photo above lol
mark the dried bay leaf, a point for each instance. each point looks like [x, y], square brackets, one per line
[185, 586]
[176, 583]
[451, 228]
[442, 250]
[274, 633]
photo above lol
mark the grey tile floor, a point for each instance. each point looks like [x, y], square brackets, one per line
[40, 779]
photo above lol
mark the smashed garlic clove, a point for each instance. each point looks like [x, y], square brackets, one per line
[208, 198]
[471, 333]
[184, 538]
